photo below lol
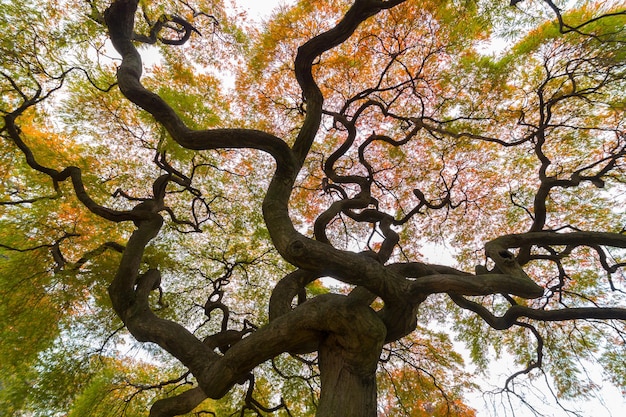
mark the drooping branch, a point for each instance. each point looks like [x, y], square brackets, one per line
[518, 311]
[533, 363]
[73, 173]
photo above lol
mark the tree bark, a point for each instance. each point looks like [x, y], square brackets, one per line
[346, 392]
[348, 358]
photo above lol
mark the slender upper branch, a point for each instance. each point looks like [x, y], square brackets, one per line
[311, 50]
[120, 19]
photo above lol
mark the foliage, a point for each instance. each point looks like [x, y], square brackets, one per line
[238, 224]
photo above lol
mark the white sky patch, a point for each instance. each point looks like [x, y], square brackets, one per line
[260, 9]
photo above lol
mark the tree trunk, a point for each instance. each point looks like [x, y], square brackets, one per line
[348, 389]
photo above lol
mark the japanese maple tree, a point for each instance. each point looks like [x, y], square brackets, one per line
[251, 208]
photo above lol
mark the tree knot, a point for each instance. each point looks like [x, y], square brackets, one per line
[297, 248]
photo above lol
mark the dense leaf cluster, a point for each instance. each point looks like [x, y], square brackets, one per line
[204, 215]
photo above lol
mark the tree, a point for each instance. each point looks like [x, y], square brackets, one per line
[145, 205]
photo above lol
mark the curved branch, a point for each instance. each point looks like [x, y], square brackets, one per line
[72, 172]
[574, 239]
[566, 28]
[162, 22]
[286, 289]
[311, 50]
[533, 364]
[129, 295]
[120, 19]
[355, 325]
[179, 404]
[515, 312]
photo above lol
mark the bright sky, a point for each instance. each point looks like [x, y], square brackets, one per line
[259, 8]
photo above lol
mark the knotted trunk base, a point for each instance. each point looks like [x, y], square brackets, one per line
[348, 362]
